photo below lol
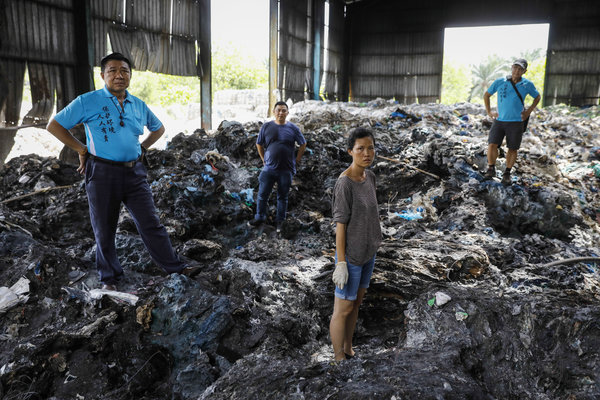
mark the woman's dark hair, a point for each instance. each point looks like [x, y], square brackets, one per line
[358, 133]
[114, 56]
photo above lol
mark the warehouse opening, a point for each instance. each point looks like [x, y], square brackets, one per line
[475, 56]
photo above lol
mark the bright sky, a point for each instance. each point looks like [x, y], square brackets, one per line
[472, 45]
[245, 23]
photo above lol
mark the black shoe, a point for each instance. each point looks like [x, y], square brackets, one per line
[190, 272]
[506, 179]
[279, 226]
[490, 173]
[255, 222]
[348, 356]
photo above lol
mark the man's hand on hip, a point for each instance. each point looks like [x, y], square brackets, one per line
[492, 114]
[83, 156]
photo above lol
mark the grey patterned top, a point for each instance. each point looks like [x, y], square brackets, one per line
[355, 204]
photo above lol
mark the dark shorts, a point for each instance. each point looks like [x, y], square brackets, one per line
[513, 130]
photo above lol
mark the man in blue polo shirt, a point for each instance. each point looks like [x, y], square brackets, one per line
[511, 116]
[276, 143]
[114, 174]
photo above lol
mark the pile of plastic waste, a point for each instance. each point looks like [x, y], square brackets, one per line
[480, 290]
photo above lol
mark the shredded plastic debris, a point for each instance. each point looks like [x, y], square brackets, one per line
[468, 290]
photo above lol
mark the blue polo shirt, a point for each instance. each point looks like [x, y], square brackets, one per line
[279, 142]
[509, 104]
[100, 112]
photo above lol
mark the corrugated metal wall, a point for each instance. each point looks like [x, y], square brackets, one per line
[141, 33]
[573, 63]
[40, 34]
[333, 70]
[293, 71]
[395, 52]
[389, 40]
[31, 37]
[301, 52]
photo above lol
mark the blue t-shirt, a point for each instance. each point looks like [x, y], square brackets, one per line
[509, 104]
[100, 113]
[279, 142]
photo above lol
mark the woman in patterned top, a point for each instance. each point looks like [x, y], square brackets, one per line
[357, 237]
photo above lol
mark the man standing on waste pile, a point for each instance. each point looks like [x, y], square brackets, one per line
[113, 168]
[276, 143]
[511, 118]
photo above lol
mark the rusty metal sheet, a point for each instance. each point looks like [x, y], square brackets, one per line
[42, 80]
[148, 14]
[152, 50]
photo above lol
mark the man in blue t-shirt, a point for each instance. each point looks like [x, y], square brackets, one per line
[111, 160]
[276, 143]
[510, 119]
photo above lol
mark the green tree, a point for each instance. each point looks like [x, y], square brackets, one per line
[532, 55]
[160, 89]
[536, 72]
[233, 70]
[455, 83]
[484, 74]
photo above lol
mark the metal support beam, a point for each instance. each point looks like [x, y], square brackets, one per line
[205, 63]
[84, 71]
[318, 27]
[346, 93]
[84, 48]
[273, 53]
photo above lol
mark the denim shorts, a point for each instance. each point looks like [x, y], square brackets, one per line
[359, 276]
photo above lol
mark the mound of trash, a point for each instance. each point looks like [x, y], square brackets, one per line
[480, 290]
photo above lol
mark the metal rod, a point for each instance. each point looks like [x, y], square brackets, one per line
[575, 260]
[410, 166]
[16, 128]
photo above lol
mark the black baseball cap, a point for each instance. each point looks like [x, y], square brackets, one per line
[521, 63]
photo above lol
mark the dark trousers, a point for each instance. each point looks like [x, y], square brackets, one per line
[266, 180]
[107, 187]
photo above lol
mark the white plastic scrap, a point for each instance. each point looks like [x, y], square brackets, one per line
[17, 293]
[96, 294]
[441, 298]
[126, 297]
